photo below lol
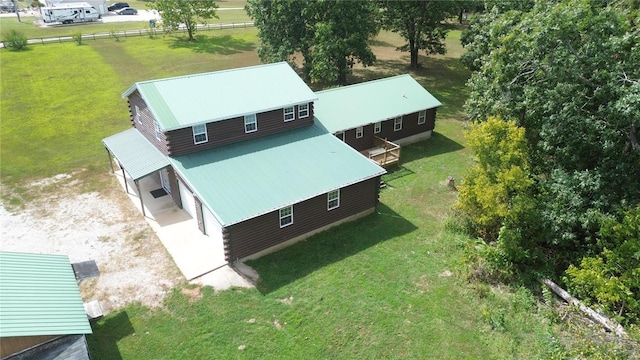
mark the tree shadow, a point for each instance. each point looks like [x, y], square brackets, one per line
[103, 343]
[223, 45]
[295, 262]
[438, 144]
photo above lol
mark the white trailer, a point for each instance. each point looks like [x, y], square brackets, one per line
[69, 13]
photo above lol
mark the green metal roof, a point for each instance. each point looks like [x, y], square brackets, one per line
[196, 99]
[243, 180]
[361, 104]
[136, 154]
[39, 296]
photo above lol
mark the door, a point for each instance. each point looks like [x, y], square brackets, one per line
[188, 202]
[164, 180]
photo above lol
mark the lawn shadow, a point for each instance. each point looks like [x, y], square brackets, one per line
[396, 172]
[295, 262]
[103, 343]
[438, 144]
[223, 45]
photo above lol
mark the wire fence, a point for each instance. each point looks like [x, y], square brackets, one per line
[132, 33]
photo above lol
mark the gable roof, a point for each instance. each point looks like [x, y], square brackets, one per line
[365, 103]
[251, 178]
[197, 99]
[39, 296]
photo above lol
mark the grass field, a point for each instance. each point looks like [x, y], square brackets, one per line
[387, 286]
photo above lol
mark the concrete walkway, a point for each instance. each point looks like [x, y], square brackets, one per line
[199, 257]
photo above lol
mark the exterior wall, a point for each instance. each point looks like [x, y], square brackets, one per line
[199, 217]
[12, 345]
[175, 191]
[410, 126]
[146, 123]
[263, 232]
[180, 142]
[363, 143]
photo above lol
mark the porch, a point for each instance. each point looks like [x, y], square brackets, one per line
[384, 153]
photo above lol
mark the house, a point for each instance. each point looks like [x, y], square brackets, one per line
[378, 117]
[242, 152]
[41, 311]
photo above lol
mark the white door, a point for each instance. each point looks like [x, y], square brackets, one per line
[188, 203]
[164, 180]
[211, 226]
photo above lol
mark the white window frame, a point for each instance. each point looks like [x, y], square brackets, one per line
[303, 111]
[156, 128]
[359, 132]
[286, 214]
[289, 113]
[248, 123]
[397, 123]
[333, 199]
[138, 115]
[340, 135]
[198, 130]
[422, 117]
[377, 127]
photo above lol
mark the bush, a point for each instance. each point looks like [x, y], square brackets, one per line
[77, 37]
[15, 40]
[114, 34]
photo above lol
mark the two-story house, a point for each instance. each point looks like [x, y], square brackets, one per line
[243, 153]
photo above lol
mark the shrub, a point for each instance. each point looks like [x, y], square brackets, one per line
[77, 37]
[113, 33]
[15, 40]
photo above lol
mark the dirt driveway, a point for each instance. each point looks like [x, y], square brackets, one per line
[133, 264]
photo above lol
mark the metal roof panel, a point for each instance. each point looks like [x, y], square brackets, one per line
[136, 154]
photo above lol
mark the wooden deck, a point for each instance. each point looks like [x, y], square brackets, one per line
[384, 153]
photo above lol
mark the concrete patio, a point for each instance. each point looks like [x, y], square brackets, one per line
[199, 257]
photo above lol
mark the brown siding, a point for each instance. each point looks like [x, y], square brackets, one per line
[363, 143]
[257, 234]
[180, 142]
[409, 126]
[12, 345]
[146, 123]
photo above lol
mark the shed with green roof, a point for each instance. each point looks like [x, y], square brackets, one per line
[39, 301]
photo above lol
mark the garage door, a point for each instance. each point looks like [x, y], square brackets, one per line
[211, 225]
[188, 203]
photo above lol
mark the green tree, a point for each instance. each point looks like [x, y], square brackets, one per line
[568, 73]
[612, 278]
[175, 13]
[331, 36]
[15, 40]
[421, 23]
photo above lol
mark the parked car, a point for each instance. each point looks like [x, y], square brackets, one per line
[117, 6]
[127, 11]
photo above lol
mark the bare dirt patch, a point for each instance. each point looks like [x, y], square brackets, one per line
[101, 226]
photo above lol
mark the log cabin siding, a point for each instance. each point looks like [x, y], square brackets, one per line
[262, 232]
[363, 143]
[409, 126]
[146, 121]
[219, 133]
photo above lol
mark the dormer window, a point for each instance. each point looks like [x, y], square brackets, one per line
[422, 117]
[289, 113]
[200, 134]
[250, 123]
[303, 111]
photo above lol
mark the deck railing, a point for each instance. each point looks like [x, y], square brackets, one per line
[384, 152]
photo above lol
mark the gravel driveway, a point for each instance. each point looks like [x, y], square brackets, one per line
[134, 266]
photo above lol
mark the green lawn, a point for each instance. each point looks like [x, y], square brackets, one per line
[387, 286]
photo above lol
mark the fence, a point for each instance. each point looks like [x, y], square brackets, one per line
[133, 33]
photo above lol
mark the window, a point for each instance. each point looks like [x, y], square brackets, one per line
[156, 127]
[340, 135]
[286, 216]
[303, 111]
[358, 132]
[422, 117]
[397, 123]
[200, 134]
[377, 127]
[138, 115]
[289, 114]
[333, 199]
[250, 123]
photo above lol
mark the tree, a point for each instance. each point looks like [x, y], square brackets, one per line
[331, 36]
[189, 13]
[421, 23]
[568, 73]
